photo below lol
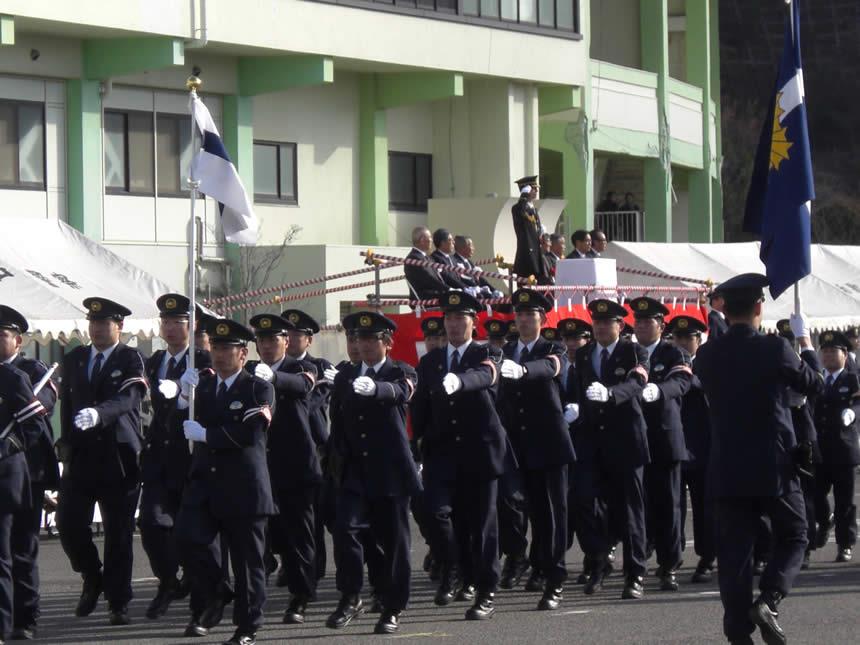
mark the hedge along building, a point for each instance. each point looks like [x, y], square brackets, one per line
[357, 120]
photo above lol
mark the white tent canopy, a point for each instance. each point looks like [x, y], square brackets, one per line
[47, 269]
[830, 296]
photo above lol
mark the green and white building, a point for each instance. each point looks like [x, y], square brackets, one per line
[352, 121]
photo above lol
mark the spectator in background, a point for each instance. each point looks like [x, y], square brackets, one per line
[629, 203]
[444, 243]
[464, 248]
[544, 243]
[598, 242]
[581, 240]
[425, 281]
[555, 253]
[609, 203]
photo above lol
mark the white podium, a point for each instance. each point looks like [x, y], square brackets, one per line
[598, 272]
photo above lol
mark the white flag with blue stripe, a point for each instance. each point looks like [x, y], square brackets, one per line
[219, 180]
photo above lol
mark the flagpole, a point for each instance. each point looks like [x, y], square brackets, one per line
[192, 85]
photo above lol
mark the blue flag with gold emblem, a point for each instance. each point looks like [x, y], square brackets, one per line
[779, 199]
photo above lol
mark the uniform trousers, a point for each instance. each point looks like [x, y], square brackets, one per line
[737, 521]
[197, 532]
[663, 511]
[693, 479]
[513, 514]
[117, 503]
[546, 490]
[841, 479]
[26, 524]
[159, 507]
[294, 537]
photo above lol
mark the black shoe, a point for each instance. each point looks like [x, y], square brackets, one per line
[583, 578]
[242, 638]
[704, 571]
[388, 623]
[513, 571]
[195, 629]
[483, 607]
[90, 593]
[844, 555]
[119, 616]
[466, 593]
[610, 558]
[446, 593]
[213, 614]
[805, 564]
[536, 581]
[164, 596]
[348, 608]
[27, 633]
[744, 640]
[595, 581]
[668, 580]
[633, 588]
[763, 613]
[823, 533]
[376, 606]
[551, 599]
[295, 613]
[758, 567]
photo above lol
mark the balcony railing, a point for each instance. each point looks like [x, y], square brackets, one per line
[620, 226]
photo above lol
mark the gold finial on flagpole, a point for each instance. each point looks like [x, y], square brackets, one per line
[193, 83]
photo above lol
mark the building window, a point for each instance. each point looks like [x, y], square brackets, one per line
[172, 153]
[410, 181]
[275, 179]
[129, 153]
[22, 145]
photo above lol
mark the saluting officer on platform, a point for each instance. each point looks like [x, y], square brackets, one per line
[44, 475]
[534, 419]
[294, 467]
[668, 381]
[529, 259]
[378, 472]
[610, 374]
[463, 448]
[102, 387]
[751, 471]
[165, 458]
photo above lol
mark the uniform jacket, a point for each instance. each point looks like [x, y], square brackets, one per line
[318, 400]
[696, 421]
[291, 450]
[613, 432]
[20, 408]
[370, 432]
[165, 457]
[746, 376]
[41, 459]
[670, 371]
[425, 281]
[532, 410]
[229, 471]
[717, 325]
[461, 433]
[529, 258]
[453, 280]
[802, 411]
[108, 452]
[469, 281]
[840, 444]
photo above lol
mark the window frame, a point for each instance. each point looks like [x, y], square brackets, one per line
[174, 116]
[280, 199]
[413, 207]
[110, 190]
[30, 185]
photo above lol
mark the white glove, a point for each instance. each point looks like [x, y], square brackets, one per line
[194, 431]
[169, 389]
[364, 385]
[571, 412]
[512, 370]
[847, 416]
[799, 325]
[597, 392]
[451, 383]
[87, 418]
[651, 393]
[263, 371]
[189, 379]
[329, 374]
[473, 291]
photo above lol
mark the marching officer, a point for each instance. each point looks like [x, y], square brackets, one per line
[687, 334]
[228, 490]
[529, 259]
[538, 431]
[379, 472]
[294, 467]
[836, 411]
[717, 325]
[751, 471]
[463, 451]
[610, 374]
[102, 387]
[668, 381]
[433, 330]
[165, 459]
[44, 475]
[22, 431]
[496, 329]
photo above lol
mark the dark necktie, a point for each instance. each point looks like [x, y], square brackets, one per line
[604, 363]
[370, 373]
[828, 381]
[97, 366]
[222, 392]
[455, 361]
[171, 368]
[524, 355]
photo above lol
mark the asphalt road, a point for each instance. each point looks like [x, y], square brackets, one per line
[824, 608]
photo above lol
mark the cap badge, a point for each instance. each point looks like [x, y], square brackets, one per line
[95, 305]
[265, 323]
[293, 318]
[222, 330]
[602, 307]
[454, 300]
[828, 337]
[364, 321]
[642, 305]
[494, 326]
[683, 323]
[432, 325]
[170, 303]
[524, 297]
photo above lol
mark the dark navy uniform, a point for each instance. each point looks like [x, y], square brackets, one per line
[534, 419]
[20, 413]
[529, 258]
[100, 464]
[463, 449]
[752, 471]
[378, 475]
[717, 325]
[840, 451]
[228, 490]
